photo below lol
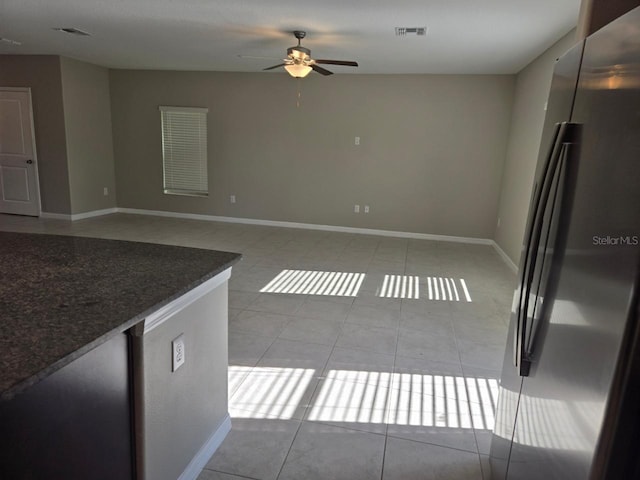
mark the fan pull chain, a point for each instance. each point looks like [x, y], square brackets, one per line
[298, 100]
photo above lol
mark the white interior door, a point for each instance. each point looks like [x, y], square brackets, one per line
[19, 189]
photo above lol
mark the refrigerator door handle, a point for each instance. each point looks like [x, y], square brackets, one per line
[523, 290]
[562, 135]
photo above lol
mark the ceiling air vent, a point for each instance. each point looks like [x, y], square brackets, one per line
[9, 41]
[72, 31]
[404, 31]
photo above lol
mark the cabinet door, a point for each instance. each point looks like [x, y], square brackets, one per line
[74, 424]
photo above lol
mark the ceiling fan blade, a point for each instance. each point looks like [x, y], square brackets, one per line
[320, 69]
[258, 57]
[275, 66]
[346, 63]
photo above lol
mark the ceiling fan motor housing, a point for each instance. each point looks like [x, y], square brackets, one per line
[298, 53]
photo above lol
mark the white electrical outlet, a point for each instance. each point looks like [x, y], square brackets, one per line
[177, 352]
[105, 191]
[356, 209]
[232, 199]
[366, 209]
[357, 141]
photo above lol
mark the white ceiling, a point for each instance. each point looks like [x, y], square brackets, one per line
[464, 36]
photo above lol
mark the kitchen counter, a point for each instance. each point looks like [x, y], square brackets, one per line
[61, 297]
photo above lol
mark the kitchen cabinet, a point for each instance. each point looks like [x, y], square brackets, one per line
[87, 386]
[76, 423]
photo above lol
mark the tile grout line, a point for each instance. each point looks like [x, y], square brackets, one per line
[312, 395]
[477, 452]
[231, 474]
[393, 370]
[305, 411]
[253, 368]
[433, 444]
[475, 437]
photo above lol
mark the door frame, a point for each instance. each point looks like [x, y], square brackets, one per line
[33, 140]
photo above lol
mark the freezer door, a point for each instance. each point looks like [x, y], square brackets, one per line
[591, 282]
[559, 105]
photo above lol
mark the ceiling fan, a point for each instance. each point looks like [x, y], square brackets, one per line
[299, 62]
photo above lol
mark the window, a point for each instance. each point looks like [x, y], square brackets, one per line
[184, 150]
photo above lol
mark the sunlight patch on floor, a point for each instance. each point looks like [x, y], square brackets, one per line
[309, 282]
[410, 399]
[400, 286]
[446, 288]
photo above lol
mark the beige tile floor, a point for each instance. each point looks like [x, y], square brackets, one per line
[351, 356]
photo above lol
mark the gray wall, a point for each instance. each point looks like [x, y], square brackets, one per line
[87, 120]
[42, 74]
[181, 410]
[430, 160]
[531, 92]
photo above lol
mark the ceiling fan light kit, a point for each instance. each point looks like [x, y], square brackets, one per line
[298, 70]
[299, 62]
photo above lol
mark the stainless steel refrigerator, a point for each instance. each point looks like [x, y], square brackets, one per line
[569, 404]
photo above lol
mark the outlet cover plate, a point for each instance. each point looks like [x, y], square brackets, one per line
[177, 352]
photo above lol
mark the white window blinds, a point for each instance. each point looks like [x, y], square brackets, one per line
[184, 150]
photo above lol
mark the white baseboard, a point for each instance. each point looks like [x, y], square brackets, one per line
[94, 213]
[78, 216]
[275, 223]
[55, 216]
[505, 258]
[164, 213]
[208, 449]
[308, 226]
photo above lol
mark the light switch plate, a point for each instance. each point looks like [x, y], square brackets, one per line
[177, 349]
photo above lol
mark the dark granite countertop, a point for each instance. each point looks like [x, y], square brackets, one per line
[62, 296]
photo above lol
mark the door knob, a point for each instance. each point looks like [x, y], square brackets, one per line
[29, 162]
